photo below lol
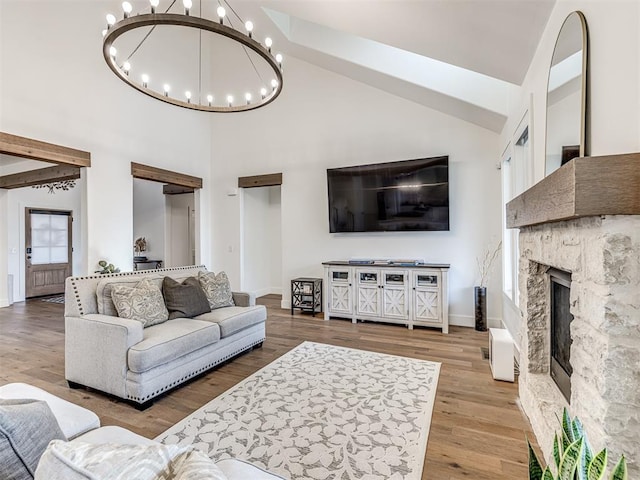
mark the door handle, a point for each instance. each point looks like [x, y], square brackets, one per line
[28, 257]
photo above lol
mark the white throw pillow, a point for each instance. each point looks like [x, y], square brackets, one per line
[109, 461]
[143, 302]
[217, 289]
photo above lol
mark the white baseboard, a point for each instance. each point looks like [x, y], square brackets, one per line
[286, 304]
[470, 321]
[267, 291]
[4, 302]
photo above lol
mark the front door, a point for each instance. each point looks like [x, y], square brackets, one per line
[47, 251]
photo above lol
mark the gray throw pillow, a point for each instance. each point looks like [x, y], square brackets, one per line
[217, 288]
[26, 428]
[186, 299]
[143, 302]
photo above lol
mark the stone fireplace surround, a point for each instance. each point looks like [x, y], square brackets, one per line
[584, 218]
[603, 255]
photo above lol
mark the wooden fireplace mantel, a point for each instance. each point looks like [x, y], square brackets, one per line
[586, 186]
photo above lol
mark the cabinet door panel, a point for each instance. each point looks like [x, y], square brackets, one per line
[368, 300]
[427, 305]
[395, 302]
[340, 301]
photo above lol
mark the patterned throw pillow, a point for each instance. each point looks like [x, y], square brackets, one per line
[143, 303]
[109, 461]
[26, 427]
[186, 299]
[217, 288]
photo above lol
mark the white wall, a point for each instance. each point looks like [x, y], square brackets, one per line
[325, 120]
[261, 254]
[614, 95]
[180, 230]
[56, 87]
[149, 217]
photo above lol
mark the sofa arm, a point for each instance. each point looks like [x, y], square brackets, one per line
[96, 349]
[243, 299]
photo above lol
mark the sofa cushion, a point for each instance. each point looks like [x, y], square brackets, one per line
[169, 340]
[234, 319]
[79, 460]
[142, 302]
[26, 427]
[186, 299]
[73, 419]
[217, 288]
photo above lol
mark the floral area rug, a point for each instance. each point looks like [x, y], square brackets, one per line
[322, 412]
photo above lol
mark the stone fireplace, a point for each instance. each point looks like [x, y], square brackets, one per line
[602, 254]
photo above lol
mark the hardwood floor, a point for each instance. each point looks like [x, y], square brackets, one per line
[477, 430]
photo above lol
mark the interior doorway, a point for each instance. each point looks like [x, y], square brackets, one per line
[261, 242]
[165, 216]
[48, 251]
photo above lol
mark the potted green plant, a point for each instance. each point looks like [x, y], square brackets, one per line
[573, 457]
[106, 268]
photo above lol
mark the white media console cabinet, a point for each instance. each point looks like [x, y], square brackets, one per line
[394, 293]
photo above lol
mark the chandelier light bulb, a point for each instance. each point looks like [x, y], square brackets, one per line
[209, 99]
[167, 88]
[145, 80]
[279, 59]
[111, 20]
[247, 97]
[268, 42]
[113, 52]
[188, 95]
[126, 7]
[263, 92]
[249, 27]
[104, 32]
[126, 66]
[154, 4]
[187, 6]
[274, 83]
[230, 100]
[221, 13]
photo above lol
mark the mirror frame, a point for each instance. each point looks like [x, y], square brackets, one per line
[585, 140]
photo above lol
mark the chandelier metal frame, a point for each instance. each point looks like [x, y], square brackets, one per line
[152, 19]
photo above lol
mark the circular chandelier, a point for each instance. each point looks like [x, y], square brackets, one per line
[268, 81]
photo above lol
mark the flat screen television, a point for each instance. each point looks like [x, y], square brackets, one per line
[408, 195]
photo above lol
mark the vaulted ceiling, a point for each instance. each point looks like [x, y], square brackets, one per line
[461, 57]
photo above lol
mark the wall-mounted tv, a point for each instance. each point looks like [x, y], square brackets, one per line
[394, 196]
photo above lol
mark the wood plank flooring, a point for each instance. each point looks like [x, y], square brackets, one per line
[477, 430]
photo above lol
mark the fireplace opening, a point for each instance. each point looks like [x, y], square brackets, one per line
[561, 318]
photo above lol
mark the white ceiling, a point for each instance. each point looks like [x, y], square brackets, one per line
[461, 57]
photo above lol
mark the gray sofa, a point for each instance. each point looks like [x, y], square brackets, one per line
[118, 356]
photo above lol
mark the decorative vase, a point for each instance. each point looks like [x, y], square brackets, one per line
[480, 297]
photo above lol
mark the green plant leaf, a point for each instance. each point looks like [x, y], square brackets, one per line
[547, 475]
[620, 472]
[557, 451]
[535, 469]
[585, 460]
[569, 462]
[597, 466]
[566, 426]
[576, 428]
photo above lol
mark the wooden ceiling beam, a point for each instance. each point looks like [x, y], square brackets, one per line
[267, 180]
[41, 176]
[146, 172]
[170, 189]
[42, 151]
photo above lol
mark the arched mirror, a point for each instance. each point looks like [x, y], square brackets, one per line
[567, 124]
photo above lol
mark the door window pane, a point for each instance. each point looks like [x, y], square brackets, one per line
[49, 239]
